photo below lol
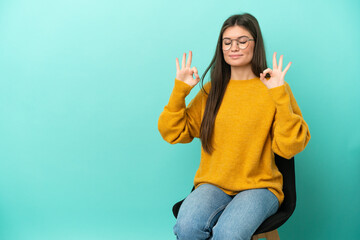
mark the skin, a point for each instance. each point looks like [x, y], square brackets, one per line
[240, 67]
[277, 76]
[185, 74]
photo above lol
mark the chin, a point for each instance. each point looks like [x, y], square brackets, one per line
[237, 63]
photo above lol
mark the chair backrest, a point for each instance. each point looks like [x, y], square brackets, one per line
[287, 169]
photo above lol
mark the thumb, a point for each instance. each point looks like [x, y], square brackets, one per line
[262, 77]
[197, 76]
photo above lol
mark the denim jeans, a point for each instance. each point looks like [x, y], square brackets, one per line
[209, 213]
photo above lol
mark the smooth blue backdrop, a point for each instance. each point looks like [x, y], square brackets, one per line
[82, 84]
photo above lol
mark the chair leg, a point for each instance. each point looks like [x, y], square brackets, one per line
[273, 235]
[255, 237]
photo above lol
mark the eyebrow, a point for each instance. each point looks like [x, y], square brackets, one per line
[237, 37]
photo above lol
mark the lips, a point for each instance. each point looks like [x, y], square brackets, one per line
[235, 56]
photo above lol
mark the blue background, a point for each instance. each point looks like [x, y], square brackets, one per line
[82, 84]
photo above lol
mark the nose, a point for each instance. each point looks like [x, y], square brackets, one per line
[234, 43]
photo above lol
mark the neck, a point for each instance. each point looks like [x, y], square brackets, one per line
[242, 72]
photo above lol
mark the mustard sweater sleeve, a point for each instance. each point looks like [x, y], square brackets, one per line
[178, 123]
[290, 133]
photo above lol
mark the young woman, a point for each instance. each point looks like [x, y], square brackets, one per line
[242, 118]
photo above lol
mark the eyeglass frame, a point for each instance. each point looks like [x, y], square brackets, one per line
[237, 40]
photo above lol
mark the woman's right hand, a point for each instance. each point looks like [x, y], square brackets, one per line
[185, 74]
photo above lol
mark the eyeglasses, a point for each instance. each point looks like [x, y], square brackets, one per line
[242, 42]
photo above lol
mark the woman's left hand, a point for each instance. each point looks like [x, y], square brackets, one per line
[276, 75]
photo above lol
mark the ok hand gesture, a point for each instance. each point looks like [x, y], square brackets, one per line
[185, 74]
[276, 75]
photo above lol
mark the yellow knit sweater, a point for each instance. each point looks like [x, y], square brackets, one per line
[252, 123]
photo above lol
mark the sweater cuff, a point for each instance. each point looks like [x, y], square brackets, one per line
[281, 97]
[177, 97]
[181, 87]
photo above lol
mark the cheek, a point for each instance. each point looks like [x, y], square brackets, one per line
[225, 56]
[249, 51]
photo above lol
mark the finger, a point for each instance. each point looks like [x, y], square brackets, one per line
[287, 68]
[281, 62]
[194, 69]
[262, 78]
[268, 70]
[197, 76]
[177, 65]
[183, 61]
[274, 61]
[188, 63]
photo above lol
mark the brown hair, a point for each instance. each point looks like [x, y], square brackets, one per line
[221, 72]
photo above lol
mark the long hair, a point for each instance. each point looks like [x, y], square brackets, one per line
[220, 73]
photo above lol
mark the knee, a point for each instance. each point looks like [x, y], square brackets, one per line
[187, 230]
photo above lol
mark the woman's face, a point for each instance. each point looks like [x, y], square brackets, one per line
[236, 56]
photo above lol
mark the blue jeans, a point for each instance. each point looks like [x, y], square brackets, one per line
[209, 213]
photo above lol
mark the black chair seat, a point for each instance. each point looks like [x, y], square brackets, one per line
[287, 169]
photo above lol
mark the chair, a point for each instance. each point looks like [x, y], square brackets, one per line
[268, 229]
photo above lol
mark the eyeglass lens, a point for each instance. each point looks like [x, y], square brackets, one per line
[242, 42]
